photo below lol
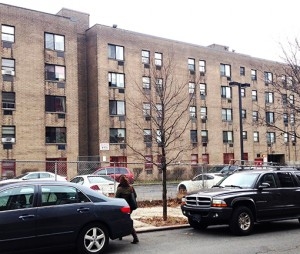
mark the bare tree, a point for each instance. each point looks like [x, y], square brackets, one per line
[162, 116]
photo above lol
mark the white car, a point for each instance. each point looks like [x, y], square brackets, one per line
[104, 184]
[36, 175]
[205, 180]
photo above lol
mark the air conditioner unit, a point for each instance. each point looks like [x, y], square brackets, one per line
[203, 117]
[8, 140]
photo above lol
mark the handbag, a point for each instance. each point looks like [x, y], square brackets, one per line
[132, 201]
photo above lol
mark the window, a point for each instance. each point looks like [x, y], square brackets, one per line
[268, 77]
[191, 64]
[292, 118]
[145, 57]
[61, 195]
[8, 100]
[55, 72]
[191, 88]
[158, 59]
[193, 112]
[270, 137]
[292, 99]
[54, 42]
[116, 108]
[227, 137]
[202, 66]
[203, 113]
[270, 117]
[159, 85]
[146, 109]
[16, 198]
[117, 136]
[226, 92]
[146, 83]
[226, 114]
[115, 52]
[242, 71]
[7, 33]
[243, 92]
[285, 137]
[253, 75]
[116, 80]
[148, 162]
[225, 70]
[255, 116]
[285, 118]
[255, 136]
[245, 135]
[244, 113]
[269, 97]
[56, 135]
[284, 99]
[158, 137]
[204, 136]
[55, 103]
[8, 66]
[285, 179]
[158, 108]
[202, 89]
[293, 137]
[254, 95]
[8, 131]
[147, 136]
[194, 159]
[194, 138]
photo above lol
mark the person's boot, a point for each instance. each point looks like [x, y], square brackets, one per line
[135, 238]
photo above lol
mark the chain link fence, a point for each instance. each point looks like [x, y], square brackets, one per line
[142, 171]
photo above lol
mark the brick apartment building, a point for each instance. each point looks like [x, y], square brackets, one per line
[71, 91]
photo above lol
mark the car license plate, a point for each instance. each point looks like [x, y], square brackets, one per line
[196, 217]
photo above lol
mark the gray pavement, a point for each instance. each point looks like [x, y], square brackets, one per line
[154, 211]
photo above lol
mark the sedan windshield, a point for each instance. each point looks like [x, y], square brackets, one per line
[245, 180]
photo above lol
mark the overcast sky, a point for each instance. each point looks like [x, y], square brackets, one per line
[255, 27]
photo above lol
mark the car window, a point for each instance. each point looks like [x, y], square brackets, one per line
[16, 198]
[61, 195]
[78, 180]
[45, 175]
[32, 176]
[268, 178]
[285, 179]
[102, 172]
[198, 178]
[122, 171]
[110, 171]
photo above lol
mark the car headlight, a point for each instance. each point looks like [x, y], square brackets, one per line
[218, 203]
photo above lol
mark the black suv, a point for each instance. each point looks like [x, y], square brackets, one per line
[245, 198]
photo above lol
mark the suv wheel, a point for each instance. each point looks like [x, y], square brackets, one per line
[242, 221]
[197, 225]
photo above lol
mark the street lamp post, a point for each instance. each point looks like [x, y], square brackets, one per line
[240, 86]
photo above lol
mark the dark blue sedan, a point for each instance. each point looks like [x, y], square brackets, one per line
[40, 215]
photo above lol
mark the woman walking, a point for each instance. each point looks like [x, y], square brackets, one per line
[125, 191]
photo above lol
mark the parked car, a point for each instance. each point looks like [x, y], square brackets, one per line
[36, 175]
[115, 173]
[36, 215]
[205, 180]
[104, 184]
[245, 198]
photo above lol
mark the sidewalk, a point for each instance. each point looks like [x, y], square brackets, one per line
[155, 211]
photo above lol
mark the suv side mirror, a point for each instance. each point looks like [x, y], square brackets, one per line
[264, 185]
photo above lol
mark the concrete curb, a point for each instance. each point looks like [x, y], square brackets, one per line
[153, 229]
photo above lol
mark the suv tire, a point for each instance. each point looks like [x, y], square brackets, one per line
[242, 221]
